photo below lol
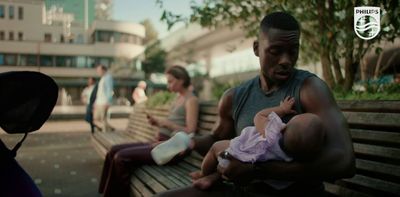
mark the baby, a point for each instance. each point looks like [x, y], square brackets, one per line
[270, 139]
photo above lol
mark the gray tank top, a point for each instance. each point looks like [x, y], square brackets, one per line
[177, 114]
[249, 99]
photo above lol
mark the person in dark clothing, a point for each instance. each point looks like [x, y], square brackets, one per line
[89, 110]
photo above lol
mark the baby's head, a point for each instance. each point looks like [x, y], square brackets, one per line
[304, 136]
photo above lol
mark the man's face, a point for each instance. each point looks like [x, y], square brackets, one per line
[278, 51]
[100, 71]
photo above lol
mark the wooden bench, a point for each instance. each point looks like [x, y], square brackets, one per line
[375, 129]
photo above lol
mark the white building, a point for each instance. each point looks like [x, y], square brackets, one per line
[52, 43]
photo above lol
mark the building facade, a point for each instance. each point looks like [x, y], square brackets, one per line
[51, 41]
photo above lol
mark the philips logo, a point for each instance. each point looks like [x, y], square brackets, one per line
[367, 22]
[372, 11]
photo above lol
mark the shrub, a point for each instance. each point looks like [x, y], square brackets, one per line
[372, 92]
[160, 98]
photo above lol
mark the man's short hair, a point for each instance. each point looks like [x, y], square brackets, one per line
[103, 67]
[279, 20]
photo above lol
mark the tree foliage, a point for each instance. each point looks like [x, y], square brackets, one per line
[155, 59]
[326, 25]
[154, 55]
[151, 32]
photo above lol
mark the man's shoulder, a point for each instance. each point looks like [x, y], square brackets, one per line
[240, 93]
[300, 72]
[246, 84]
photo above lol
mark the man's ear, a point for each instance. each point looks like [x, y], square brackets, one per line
[255, 48]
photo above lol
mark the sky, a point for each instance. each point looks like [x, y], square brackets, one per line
[138, 10]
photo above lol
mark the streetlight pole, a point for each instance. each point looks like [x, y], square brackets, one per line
[38, 55]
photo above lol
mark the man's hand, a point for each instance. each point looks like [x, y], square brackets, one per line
[236, 171]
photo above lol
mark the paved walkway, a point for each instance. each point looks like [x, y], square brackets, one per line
[60, 158]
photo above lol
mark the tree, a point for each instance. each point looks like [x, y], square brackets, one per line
[155, 59]
[326, 26]
[154, 55]
[151, 32]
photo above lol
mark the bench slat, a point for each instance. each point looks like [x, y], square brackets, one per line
[208, 109]
[376, 184]
[342, 191]
[172, 177]
[194, 161]
[139, 188]
[370, 106]
[377, 136]
[386, 120]
[206, 125]
[169, 184]
[100, 148]
[378, 167]
[378, 151]
[207, 118]
[180, 172]
[150, 181]
[201, 131]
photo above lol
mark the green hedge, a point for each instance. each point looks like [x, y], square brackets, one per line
[160, 98]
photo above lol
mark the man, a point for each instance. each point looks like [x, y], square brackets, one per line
[104, 98]
[277, 48]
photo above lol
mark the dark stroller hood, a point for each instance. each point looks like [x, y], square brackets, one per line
[26, 100]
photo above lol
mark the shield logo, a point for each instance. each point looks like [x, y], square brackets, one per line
[367, 22]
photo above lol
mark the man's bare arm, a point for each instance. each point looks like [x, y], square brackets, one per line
[336, 159]
[223, 128]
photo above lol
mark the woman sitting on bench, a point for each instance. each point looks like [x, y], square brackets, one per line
[120, 160]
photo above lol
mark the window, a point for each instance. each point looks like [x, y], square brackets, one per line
[2, 37]
[28, 60]
[65, 61]
[81, 61]
[47, 37]
[80, 39]
[10, 59]
[11, 12]
[20, 13]
[20, 36]
[104, 36]
[62, 38]
[46, 60]
[22, 60]
[1, 11]
[11, 35]
[1, 58]
[125, 38]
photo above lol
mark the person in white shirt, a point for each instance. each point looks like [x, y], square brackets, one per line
[139, 95]
[104, 98]
[87, 91]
